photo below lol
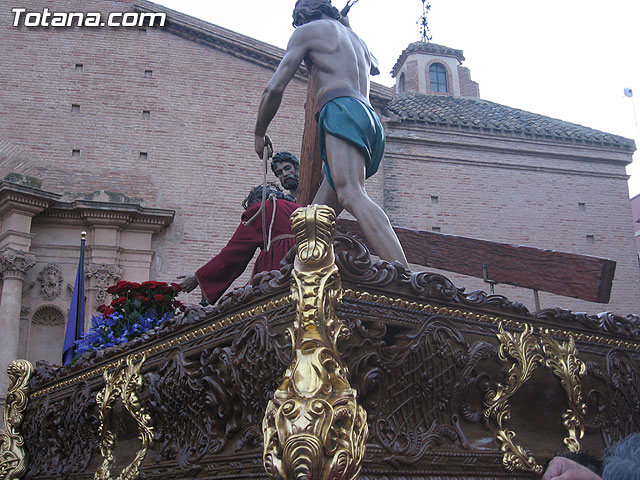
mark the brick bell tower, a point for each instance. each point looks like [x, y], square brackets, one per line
[432, 69]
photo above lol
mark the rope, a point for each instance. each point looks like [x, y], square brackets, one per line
[273, 218]
[266, 239]
[265, 157]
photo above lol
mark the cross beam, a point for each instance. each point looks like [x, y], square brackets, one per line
[568, 274]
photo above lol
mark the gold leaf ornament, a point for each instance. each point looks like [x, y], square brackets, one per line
[125, 383]
[314, 428]
[522, 352]
[13, 456]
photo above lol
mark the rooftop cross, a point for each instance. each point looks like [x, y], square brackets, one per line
[424, 26]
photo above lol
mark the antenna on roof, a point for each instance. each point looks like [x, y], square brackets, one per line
[422, 21]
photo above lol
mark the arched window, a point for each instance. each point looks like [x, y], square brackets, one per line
[438, 78]
[402, 83]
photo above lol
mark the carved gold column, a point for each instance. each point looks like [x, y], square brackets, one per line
[314, 429]
[13, 458]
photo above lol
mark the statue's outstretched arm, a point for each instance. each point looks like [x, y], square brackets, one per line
[272, 96]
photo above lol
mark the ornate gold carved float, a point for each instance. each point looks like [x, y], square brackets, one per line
[430, 362]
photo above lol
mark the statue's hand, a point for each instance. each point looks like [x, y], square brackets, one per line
[262, 141]
[188, 282]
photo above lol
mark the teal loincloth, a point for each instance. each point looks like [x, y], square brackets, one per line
[352, 121]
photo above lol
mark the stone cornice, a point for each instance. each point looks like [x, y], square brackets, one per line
[8, 233]
[111, 214]
[28, 200]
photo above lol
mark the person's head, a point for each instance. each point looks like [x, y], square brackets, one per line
[286, 167]
[623, 461]
[255, 195]
[581, 458]
[306, 11]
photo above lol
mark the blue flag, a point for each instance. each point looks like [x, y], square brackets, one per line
[75, 323]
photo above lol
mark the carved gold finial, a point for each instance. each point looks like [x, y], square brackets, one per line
[314, 228]
[13, 457]
[314, 428]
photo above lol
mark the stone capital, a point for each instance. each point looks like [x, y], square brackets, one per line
[15, 263]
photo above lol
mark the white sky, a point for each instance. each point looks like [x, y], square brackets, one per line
[567, 59]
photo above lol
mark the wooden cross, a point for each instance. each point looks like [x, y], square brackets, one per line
[310, 160]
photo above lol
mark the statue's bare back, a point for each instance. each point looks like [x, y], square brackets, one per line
[338, 57]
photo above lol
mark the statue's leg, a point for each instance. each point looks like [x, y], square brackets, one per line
[348, 173]
[326, 195]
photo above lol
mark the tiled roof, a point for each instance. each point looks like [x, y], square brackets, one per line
[482, 115]
[424, 47]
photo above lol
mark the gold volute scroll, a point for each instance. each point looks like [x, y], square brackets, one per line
[125, 383]
[314, 429]
[563, 359]
[13, 457]
[524, 353]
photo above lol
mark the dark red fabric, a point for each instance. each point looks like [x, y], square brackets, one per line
[219, 273]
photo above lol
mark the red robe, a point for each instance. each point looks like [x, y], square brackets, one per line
[219, 273]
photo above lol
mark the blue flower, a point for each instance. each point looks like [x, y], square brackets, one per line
[115, 329]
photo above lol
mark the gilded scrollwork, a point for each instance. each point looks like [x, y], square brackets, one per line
[563, 359]
[13, 458]
[313, 427]
[105, 400]
[125, 383]
[523, 352]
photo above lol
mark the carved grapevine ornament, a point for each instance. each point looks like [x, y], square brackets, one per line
[13, 458]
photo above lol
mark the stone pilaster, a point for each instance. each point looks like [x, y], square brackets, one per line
[24, 331]
[13, 266]
[100, 276]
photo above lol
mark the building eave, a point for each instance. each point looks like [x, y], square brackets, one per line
[237, 45]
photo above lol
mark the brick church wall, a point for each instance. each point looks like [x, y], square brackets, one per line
[198, 159]
[198, 139]
[516, 191]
